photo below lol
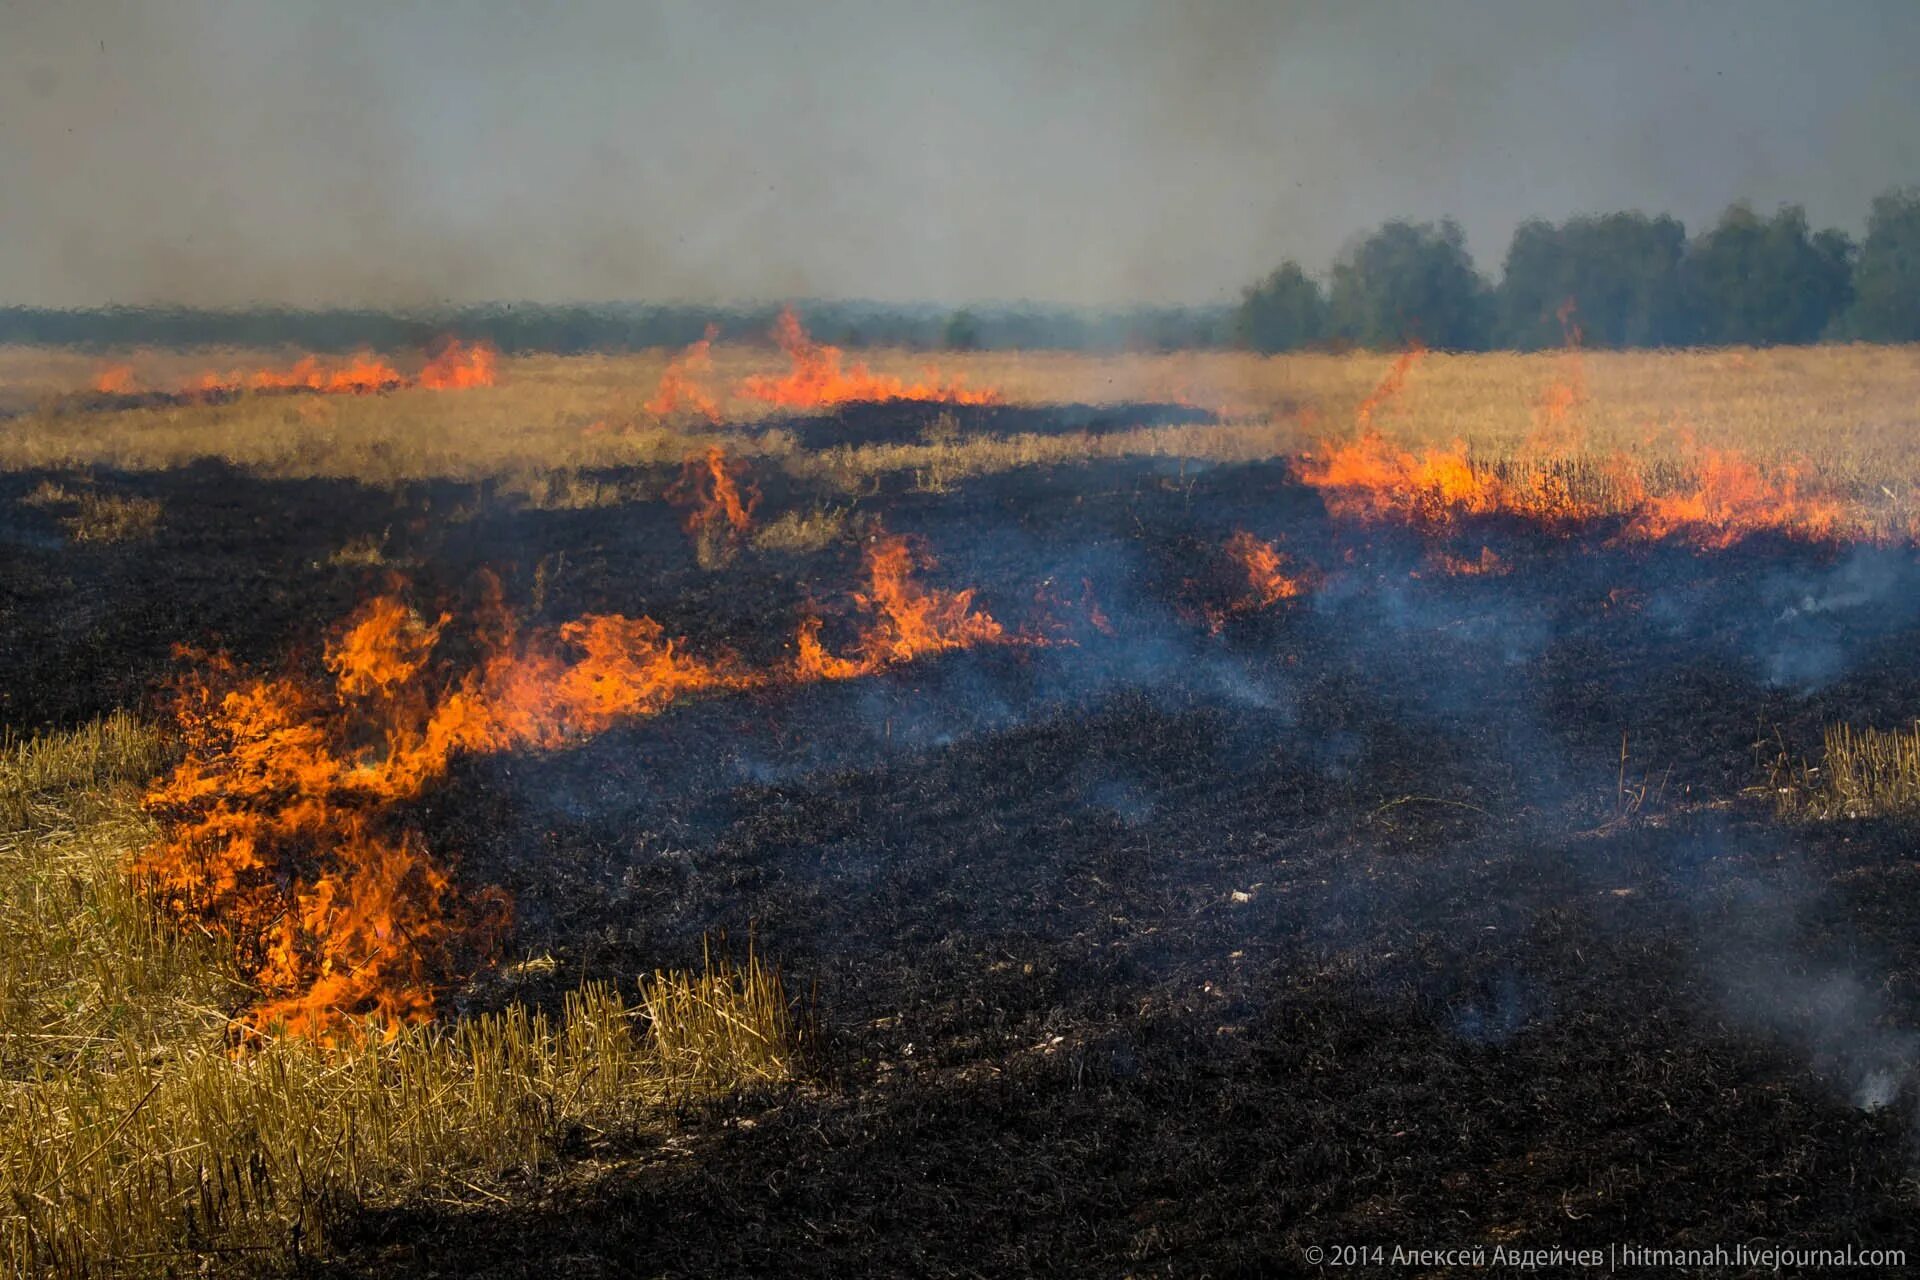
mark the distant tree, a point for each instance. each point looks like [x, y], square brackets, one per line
[1621, 270]
[1886, 282]
[962, 332]
[1284, 312]
[1761, 281]
[1409, 282]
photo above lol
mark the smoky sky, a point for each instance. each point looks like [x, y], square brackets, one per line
[1106, 152]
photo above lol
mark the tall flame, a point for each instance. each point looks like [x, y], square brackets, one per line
[1556, 423]
[818, 381]
[682, 388]
[717, 495]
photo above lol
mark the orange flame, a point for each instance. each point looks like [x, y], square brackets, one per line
[1267, 579]
[717, 504]
[910, 620]
[280, 830]
[1390, 386]
[1726, 498]
[817, 380]
[116, 380]
[1731, 498]
[459, 366]
[1369, 479]
[1556, 425]
[681, 390]
[364, 374]
[284, 828]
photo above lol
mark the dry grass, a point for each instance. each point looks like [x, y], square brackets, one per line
[1851, 410]
[367, 551]
[804, 529]
[133, 1141]
[91, 516]
[1862, 773]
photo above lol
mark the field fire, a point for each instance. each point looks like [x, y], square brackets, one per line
[628, 720]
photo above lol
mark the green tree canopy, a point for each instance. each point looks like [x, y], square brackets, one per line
[1763, 281]
[1886, 282]
[1284, 312]
[1411, 282]
[1620, 270]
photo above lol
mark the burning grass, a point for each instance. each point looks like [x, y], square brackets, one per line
[719, 500]
[132, 1141]
[818, 379]
[285, 825]
[1843, 415]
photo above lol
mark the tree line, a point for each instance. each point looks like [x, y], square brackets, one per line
[619, 327]
[1633, 280]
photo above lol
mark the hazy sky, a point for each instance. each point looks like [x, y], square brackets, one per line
[1111, 151]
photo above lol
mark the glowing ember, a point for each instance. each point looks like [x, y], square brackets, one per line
[1446, 564]
[681, 389]
[818, 381]
[459, 366]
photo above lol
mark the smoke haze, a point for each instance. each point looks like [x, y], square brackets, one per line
[1091, 153]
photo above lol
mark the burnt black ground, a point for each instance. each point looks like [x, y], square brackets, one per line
[1162, 952]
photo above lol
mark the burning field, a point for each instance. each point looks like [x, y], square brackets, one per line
[755, 810]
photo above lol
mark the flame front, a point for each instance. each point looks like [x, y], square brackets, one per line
[817, 380]
[363, 374]
[1719, 497]
[457, 366]
[286, 827]
[282, 830]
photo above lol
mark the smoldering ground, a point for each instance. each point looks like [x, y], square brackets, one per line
[1359, 880]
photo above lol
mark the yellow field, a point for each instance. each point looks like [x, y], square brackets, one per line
[1852, 412]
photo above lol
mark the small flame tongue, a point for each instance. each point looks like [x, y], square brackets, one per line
[910, 620]
[682, 389]
[818, 381]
